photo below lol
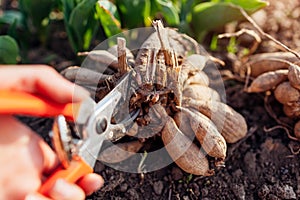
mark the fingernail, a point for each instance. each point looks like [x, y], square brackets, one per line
[80, 93]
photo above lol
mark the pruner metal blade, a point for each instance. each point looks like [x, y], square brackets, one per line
[96, 120]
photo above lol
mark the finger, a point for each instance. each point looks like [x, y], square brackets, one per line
[66, 191]
[50, 159]
[40, 79]
[91, 183]
[36, 196]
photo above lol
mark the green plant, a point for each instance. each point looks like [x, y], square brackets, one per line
[210, 15]
[28, 24]
[87, 20]
[190, 16]
[36, 14]
[79, 21]
[9, 50]
[109, 17]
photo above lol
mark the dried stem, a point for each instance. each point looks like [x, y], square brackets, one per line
[217, 60]
[244, 31]
[244, 13]
[194, 43]
[172, 66]
[267, 130]
[142, 162]
[123, 66]
[164, 42]
[248, 72]
[271, 112]
[162, 34]
[281, 60]
[293, 150]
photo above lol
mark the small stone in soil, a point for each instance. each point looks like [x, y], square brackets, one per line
[133, 194]
[204, 192]
[185, 198]
[239, 191]
[123, 187]
[166, 178]
[176, 174]
[272, 197]
[158, 187]
[252, 187]
[289, 192]
[272, 179]
[263, 192]
[278, 190]
[285, 192]
[250, 163]
[195, 189]
[237, 173]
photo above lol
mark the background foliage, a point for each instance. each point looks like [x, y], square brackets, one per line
[87, 20]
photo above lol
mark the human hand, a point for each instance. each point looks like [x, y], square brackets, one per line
[25, 158]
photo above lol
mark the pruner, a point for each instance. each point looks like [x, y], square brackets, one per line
[92, 124]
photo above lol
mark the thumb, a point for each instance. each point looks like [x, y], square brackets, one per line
[63, 190]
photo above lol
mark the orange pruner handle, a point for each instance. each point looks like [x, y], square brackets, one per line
[77, 169]
[15, 102]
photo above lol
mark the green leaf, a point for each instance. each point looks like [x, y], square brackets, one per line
[249, 6]
[211, 15]
[134, 13]
[186, 8]
[109, 17]
[185, 16]
[12, 17]
[93, 27]
[231, 47]
[214, 43]
[35, 11]
[80, 23]
[169, 11]
[68, 6]
[15, 21]
[9, 50]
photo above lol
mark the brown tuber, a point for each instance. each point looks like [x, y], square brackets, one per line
[268, 81]
[119, 152]
[201, 92]
[229, 123]
[266, 62]
[183, 151]
[207, 134]
[286, 94]
[183, 123]
[199, 78]
[279, 72]
[297, 130]
[291, 111]
[294, 76]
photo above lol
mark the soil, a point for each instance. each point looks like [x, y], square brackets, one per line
[263, 165]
